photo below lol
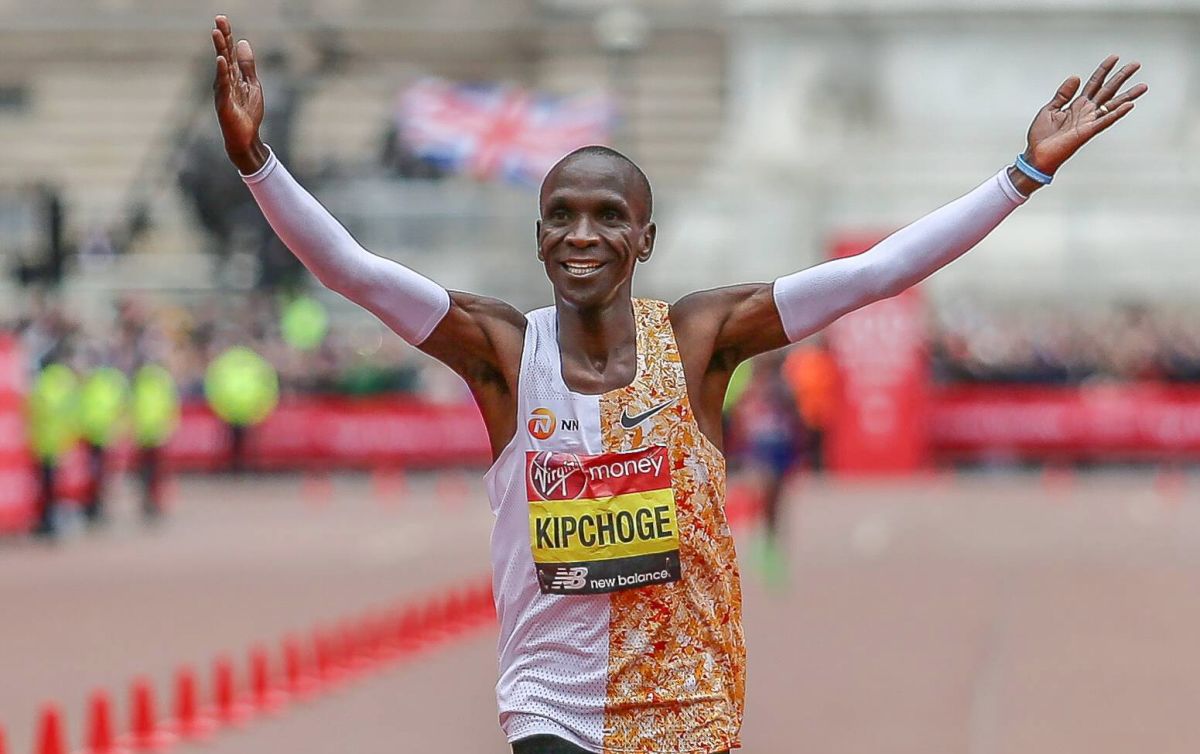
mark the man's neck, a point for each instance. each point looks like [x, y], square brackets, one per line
[596, 341]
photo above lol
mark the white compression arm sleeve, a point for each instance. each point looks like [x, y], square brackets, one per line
[409, 303]
[811, 299]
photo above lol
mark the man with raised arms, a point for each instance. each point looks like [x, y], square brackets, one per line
[623, 644]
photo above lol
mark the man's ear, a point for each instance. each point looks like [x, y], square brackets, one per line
[537, 239]
[646, 248]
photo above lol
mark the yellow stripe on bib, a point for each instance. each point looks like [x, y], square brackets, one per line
[573, 531]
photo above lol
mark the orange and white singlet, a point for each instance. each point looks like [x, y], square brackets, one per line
[614, 571]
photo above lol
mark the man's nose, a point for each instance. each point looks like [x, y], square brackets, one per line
[583, 234]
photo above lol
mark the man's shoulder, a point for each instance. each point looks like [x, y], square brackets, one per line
[489, 310]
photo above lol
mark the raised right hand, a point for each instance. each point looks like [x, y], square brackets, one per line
[238, 97]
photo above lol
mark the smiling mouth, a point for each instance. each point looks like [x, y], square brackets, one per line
[582, 269]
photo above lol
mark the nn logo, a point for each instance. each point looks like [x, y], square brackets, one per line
[542, 423]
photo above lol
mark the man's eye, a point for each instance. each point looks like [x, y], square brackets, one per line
[610, 216]
[558, 215]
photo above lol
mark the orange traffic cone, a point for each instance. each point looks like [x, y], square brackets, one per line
[230, 710]
[378, 629]
[265, 696]
[144, 732]
[190, 724]
[100, 731]
[50, 734]
[351, 649]
[374, 628]
[431, 627]
[406, 629]
[300, 683]
[455, 607]
[329, 659]
[485, 603]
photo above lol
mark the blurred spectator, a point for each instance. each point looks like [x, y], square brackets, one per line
[1060, 346]
[52, 414]
[399, 159]
[154, 404]
[812, 375]
[771, 438]
[103, 396]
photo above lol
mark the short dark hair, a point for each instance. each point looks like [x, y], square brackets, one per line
[599, 150]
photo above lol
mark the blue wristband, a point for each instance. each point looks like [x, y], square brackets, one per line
[1033, 172]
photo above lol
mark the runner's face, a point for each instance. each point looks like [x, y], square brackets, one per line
[593, 230]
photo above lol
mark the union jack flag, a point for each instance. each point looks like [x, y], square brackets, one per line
[498, 130]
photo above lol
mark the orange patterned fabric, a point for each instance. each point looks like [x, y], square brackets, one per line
[676, 667]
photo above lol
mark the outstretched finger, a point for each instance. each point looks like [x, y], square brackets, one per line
[221, 79]
[1064, 94]
[1129, 95]
[225, 71]
[226, 30]
[1104, 122]
[245, 61]
[1114, 84]
[1097, 80]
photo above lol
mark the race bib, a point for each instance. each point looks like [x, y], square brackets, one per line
[601, 523]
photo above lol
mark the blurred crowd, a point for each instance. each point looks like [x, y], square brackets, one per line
[357, 355]
[353, 355]
[1061, 346]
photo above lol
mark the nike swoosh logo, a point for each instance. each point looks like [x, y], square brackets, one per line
[629, 422]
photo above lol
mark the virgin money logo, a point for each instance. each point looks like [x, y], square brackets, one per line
[556, 476]
[542, 423]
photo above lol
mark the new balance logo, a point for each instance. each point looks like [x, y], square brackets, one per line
[630, 422]
[570, 578]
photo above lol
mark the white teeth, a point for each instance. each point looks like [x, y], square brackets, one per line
[581, 269]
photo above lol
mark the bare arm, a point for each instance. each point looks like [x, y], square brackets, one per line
[477, 337]
[717, 329]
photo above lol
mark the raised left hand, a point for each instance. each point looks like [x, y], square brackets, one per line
[1065, 124]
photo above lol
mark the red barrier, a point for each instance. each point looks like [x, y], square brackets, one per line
[18, 486]
[389, 434]
[1106, 422]
[334, 432]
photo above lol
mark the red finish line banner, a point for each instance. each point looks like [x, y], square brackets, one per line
[879, 421]
[1145, 421]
